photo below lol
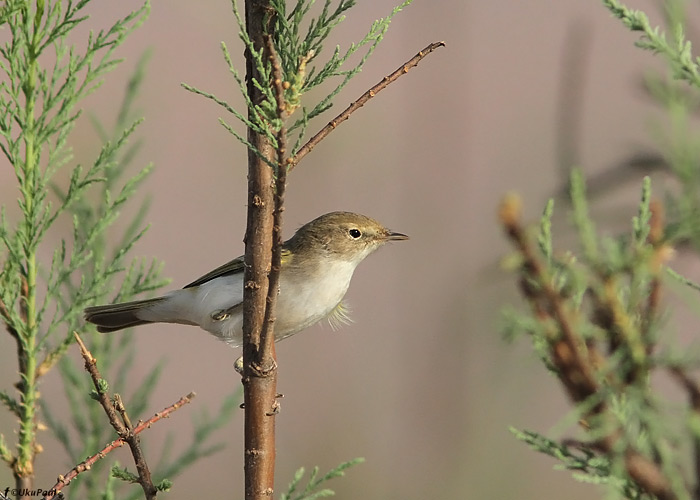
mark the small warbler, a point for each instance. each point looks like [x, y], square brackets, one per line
[316, 268]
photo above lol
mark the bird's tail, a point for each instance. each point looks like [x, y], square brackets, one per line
[113, 317]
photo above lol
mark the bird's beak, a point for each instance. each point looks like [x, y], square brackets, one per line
[396, 237]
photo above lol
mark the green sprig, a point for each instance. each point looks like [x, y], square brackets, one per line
[298, 54]
[313, 490]
[678, 51]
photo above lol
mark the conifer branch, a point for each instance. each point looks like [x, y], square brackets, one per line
[581, 366]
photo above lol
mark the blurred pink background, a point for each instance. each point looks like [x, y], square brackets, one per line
[421, 384]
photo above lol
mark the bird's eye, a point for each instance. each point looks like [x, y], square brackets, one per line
[355, 233]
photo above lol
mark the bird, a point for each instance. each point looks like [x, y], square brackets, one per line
[317, 265]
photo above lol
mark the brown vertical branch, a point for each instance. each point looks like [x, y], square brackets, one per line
[259, 365]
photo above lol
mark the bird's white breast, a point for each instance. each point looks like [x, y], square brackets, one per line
[303, 301]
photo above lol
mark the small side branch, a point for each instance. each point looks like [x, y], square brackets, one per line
[64, 480]
[386, 81]
[267, 333]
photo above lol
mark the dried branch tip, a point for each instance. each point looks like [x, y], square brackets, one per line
[83, 350]
[510, 210]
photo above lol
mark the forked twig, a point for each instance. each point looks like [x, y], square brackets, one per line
[118, 418]
[64, 480]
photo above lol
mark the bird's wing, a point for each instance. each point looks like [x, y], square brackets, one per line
[234, 267]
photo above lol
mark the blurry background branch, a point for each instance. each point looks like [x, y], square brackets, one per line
[596, 321]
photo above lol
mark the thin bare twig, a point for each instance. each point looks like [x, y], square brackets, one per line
[64, 480]
[386, 81]
[123, 425]
[267, 333]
